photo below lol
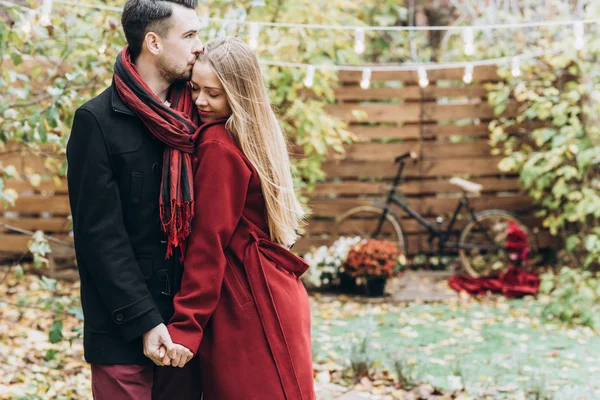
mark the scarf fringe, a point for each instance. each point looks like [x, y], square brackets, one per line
[178, 225]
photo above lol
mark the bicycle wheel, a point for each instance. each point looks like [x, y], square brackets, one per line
[362, 221]
[483, 242]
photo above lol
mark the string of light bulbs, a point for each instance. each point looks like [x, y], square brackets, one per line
[515, 25]
[468, 36]
[468, 32]
[421, 69]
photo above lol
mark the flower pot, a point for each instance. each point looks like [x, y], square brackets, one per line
[375, 286]
[348, 284]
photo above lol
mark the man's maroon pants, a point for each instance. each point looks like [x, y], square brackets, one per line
[146, 382]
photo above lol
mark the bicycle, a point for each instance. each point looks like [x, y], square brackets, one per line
[481, 243]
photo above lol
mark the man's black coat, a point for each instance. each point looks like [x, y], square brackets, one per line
[114, 176]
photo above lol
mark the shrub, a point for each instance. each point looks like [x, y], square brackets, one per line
[574, 297]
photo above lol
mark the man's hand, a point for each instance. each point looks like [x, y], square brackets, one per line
[178, 356]
[157, 344]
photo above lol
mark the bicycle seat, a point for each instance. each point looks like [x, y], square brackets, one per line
[466, 185]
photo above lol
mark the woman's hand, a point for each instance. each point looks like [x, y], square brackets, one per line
[177, 356]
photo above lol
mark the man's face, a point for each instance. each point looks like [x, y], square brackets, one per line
[181, 47]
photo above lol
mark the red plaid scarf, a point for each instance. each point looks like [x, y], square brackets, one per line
[177, 127]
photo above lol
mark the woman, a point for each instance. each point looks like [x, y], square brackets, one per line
[241, 307]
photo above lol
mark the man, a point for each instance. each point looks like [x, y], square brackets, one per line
[115, 175]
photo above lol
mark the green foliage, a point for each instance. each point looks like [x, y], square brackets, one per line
[574, 297]
[408, 373]
[48, 72]
[38, 246]
[55, 335]
[550, 135]
[360, 359]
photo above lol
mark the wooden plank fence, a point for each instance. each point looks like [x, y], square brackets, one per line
[42, 207]
[445, 123]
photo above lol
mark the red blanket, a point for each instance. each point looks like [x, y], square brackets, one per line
[515, 282]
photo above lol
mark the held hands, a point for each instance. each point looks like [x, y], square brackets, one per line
[162, 351]
[177, 356]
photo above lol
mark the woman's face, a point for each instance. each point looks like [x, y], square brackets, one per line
[208, 93]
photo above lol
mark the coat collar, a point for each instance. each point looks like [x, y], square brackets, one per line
[117, 104]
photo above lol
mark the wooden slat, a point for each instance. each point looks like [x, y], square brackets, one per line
[426, 168]
[58, 205]
[349, 93]
[17, 244]
[413, 187]
[378, 151]
[375, 112]
[436, 131]
[386, 132]
[426, 205]
[35, 163]
[12, 158]
[480, 73]
[412, 112]
[413, 131]
[432, 130]
[514, 203]
[428, 149]
[409, 225]
[46, 186]
[325, 227]
[49, 225]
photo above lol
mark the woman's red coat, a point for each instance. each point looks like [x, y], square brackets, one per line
[241, 307]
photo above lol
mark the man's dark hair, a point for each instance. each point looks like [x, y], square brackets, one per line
[143, 16]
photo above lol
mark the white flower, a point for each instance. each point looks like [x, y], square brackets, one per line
[325, 262]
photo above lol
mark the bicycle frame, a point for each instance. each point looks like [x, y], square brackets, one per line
[434, 232]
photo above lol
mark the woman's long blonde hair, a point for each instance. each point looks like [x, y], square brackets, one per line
[258, 133]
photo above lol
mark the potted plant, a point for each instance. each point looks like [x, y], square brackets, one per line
[372, 262]
[325, 263]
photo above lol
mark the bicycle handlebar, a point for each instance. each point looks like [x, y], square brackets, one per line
[404, 156]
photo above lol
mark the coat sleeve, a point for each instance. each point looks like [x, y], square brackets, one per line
[102, 244]
[220, 187]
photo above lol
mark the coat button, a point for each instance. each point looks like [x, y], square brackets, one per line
[155, 167]
[119, 317]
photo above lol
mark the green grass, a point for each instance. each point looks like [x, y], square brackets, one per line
[502, 345]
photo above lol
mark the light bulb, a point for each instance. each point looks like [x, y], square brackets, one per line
[310, 75]
[45, 14]
[253, 41]
[45, 20]
[468, 76]
[469, 38]
[423, 80]
[26, 27]
[365, 81]
[359, 41]
[515, 69]
[578, 31]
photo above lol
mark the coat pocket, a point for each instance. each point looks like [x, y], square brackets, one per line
[237, 284]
